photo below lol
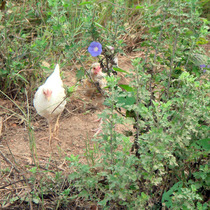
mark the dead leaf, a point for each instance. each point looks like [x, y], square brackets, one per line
[45, 64]
[14, 125]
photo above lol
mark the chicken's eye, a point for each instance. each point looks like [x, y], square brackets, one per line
[94, 68]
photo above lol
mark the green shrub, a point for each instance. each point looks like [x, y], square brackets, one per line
[169, 116]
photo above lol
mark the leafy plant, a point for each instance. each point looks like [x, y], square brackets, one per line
[167, 103]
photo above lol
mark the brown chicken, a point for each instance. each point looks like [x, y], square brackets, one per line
[96, 81]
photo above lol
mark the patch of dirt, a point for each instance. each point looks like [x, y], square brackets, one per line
[75, 131]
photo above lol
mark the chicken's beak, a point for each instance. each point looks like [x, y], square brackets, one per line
[47, 94]
[97, 70]
[48, 98]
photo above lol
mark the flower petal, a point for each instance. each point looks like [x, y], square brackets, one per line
[92, 48]
[203, 66]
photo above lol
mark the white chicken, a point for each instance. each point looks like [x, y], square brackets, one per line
[49, 100]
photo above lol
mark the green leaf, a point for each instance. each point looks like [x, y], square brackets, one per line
[84, 193]
[23, 78]
[13, 199]
[168, 104]
[167, 196]
[85, 168]
[201, 41]
[33, 170]
[99, 25]
[3, 72]
[103, 202]
[205, 143]
[127, 100]
[80, 73]
[120, 70]
[72, 158]
[36, 200]
[66, 192]
[87, 2]
[67, 47]
[144, 196]
[70, 89]
[127, 87]
[139, 7]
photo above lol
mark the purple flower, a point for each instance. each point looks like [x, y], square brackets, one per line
[95, 49]
[203, 66]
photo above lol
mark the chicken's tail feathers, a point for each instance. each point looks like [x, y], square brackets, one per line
[57, 69]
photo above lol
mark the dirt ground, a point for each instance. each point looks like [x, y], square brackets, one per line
[75, 131]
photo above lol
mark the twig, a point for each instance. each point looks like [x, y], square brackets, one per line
[1, 125]
[14, 113]
[8, 161]
[60, 103]
[11, 183]
[14, 103]
[11, 115]
[118, 111]
[10, 172]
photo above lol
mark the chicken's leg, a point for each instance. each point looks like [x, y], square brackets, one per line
[56, 128]
[50, 133]
[53, 135]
